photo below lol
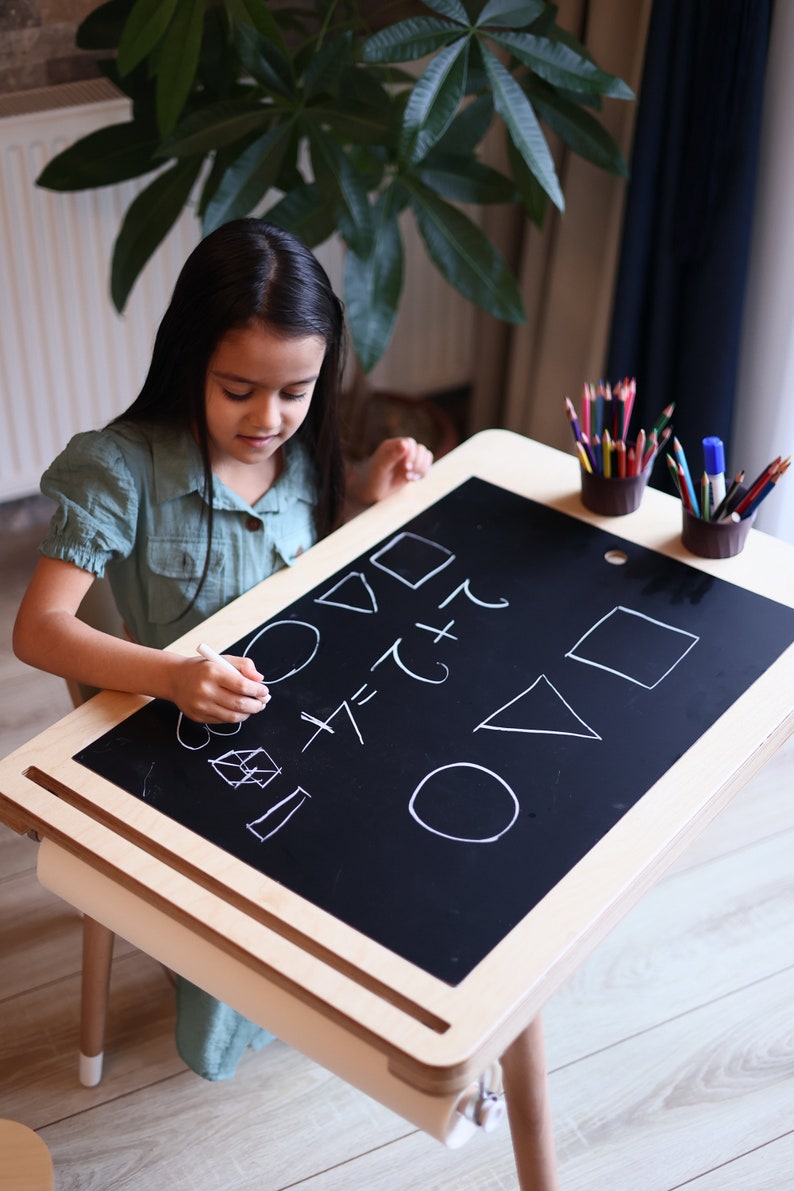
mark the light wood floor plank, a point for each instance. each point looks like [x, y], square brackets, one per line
[646, 1115]
[768, 1168]
[684, 1098]
[280, 1120]
[763, 808]
[39, 1045]
[691, 939]
[40, 936]
[17, 854]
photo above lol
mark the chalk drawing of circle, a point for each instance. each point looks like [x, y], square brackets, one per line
[464, 802]
[283, 648]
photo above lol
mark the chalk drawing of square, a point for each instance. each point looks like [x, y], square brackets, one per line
[633, 646]
[412, 559]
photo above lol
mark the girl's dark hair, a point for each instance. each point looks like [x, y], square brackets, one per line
[248, 271]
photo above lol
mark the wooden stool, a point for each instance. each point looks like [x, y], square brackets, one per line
[24, 1159]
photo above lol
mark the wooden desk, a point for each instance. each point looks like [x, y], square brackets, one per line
[402, 1035]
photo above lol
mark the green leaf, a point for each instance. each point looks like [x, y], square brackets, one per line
[469, 127]
[434, 101]
[102, 28]
[149, 218]
[265, 62]
[145, 27]
[103, 158]
[336, 176]
[511, 13]
[178, 62]
[408, 40]
[449, 8]
[533, 198]
[463, 254]
[216, 125]
[581, 131]
[221, 159]
[249, 178]
[561, 65]
[263, 20]
[324, 69]
[462, 180]
[373, 285]
[515, 109]
[304, 211]
[354, 121]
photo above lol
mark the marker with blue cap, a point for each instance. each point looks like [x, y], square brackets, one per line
[714, 467]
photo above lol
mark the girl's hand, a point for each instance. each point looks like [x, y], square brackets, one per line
[209, 693]
[396, 462]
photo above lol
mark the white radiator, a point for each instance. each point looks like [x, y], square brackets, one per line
[68, 361]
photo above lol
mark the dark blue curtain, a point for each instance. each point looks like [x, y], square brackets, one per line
[681, 278]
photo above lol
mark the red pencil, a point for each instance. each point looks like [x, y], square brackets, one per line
[758, 484]
[640, 452]
[684, 490]
[621, 450]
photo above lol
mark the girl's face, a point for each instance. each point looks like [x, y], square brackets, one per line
[258, 391]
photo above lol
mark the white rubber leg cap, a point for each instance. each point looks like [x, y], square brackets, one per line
[91, 1069]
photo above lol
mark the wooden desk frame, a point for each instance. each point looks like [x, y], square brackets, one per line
[432, 1038]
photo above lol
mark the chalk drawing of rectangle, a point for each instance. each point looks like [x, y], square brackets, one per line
[633, 646]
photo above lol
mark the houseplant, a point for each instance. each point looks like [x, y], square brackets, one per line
[309, 115]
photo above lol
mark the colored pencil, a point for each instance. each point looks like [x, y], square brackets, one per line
[683, 488]
[705, 497]
[725, 504]
[678, 452]
[757, 484]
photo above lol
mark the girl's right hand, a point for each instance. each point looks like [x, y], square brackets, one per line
[209, 693]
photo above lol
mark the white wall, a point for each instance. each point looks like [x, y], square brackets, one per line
[764, 421]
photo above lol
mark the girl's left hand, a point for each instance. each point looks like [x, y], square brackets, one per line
[396, 462]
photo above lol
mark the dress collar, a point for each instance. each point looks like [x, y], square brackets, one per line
[177, 472]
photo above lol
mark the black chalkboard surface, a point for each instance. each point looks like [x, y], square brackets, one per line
[456, 719]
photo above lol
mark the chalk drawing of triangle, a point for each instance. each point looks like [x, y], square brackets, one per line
[540, 709]
[352, 593]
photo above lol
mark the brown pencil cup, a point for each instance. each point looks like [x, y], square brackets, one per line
[613, 497]
[714, 539]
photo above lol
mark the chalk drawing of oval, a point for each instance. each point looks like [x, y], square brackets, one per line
[283, 648]
[464, 802]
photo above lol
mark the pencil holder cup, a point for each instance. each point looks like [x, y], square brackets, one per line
[613, 497]
[714, 539]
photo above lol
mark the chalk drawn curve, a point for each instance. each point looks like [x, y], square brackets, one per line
[305, 652]
[464, 839]
[214, 730]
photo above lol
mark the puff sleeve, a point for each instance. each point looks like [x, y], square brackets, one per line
[97, 503]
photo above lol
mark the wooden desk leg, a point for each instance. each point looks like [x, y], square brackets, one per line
[528, 1110]
[97, 954]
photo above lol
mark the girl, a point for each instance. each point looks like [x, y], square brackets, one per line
[225, 468]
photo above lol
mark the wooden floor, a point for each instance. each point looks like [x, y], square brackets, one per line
[671, 1052]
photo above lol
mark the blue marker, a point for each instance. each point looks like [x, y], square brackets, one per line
[714, 466]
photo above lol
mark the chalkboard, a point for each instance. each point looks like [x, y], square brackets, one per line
[457, 717]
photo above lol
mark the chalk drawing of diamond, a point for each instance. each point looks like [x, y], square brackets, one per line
[246, 767]
[633, 646]
[412, 559]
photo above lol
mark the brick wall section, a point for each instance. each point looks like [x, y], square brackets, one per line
[37, 44]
